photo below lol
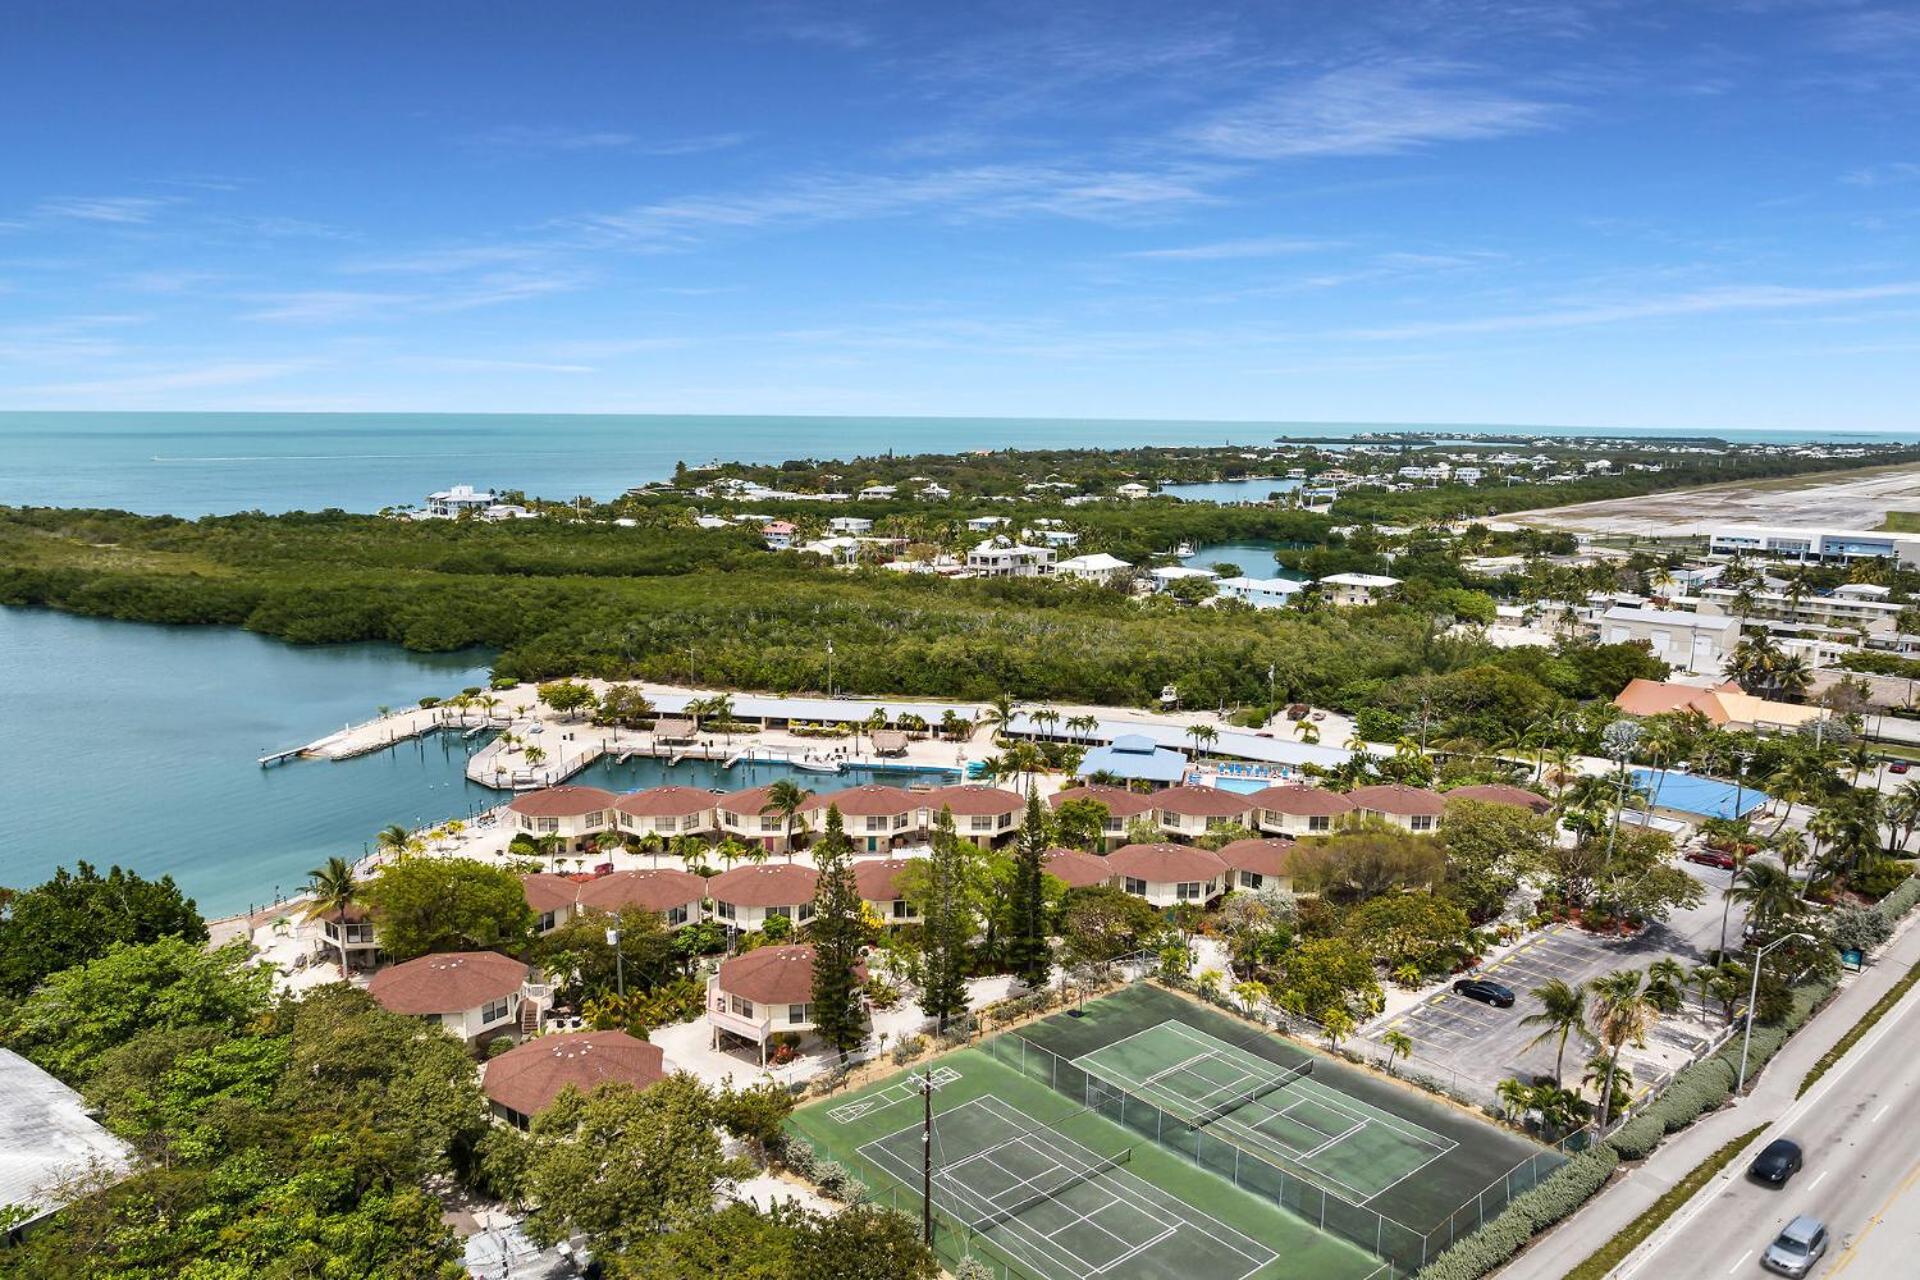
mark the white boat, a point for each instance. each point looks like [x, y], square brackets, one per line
[1184, 550]
[812, 765]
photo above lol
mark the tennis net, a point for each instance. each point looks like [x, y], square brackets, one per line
[1254, 1095]
[1076, 1174]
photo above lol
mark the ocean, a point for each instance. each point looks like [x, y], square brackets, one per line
[193, 464]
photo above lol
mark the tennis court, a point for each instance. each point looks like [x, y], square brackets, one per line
[1281, 1114]
[1043, 1189]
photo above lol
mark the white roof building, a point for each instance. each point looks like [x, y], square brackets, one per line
[1261, 593]
[1357, 589]
[47, 1139]
[1098, 567]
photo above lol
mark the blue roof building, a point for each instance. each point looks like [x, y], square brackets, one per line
[1687, 793]
[1135, 756]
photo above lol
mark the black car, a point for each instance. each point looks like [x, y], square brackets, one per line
[1777, 1161]
[1481, 989]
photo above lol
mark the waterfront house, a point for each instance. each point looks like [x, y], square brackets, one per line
[1165, 576]
[675, 896]
[1501, 793]
[744, 814]
[1357, 590]
[998, 558]
[350, 931]
[879, 882]
[52, 1148]
[461, 499]
[475, 995]
[1132, 490]
[877, 817]
[1297, 810]
[1077, 870]
[1261, 593]
[1190, 812]
[1167, 874]
[551, 898]
[1059, 537]
[1259, 863]
[1098, 567]
[571, 813]
[666, 812]
[524, 1081]
[1413, 808]
[982, 815]
[1121, 804]
[761, 994]
[745, 898]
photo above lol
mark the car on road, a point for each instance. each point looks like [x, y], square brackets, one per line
[1800, 1244]
[1778, 1161]
[1711, 858]
[1485, 991]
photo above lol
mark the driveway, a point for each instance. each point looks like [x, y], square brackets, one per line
[1472, 1046]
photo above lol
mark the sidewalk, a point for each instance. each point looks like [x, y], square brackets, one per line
[1631, 1194]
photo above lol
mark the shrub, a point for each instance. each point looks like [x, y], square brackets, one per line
[499, 1045]
[800, 1157]
[1901, 900]
[837, 1181]
[907, 1050]
[974, 1269]
[1881, 878]
[1558, 1195]
[1858, 929]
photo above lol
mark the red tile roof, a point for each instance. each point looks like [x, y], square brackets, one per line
[973, 800]
[770, 975]
[775, 884]
[655, 890]
[748, 803]
[529, 1077]
[666, 802]
[1262, 857]
[1501, 793]
[1202, 802]
[879, 878]
[1165, 863]
[451, 982]
[547, 892]
[1397, 798]
[873, 800]
[1076, 868]
[1120, 802]
[1302, 802]
[562, 802]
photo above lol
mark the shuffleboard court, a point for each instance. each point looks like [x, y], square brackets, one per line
[1280, 1114]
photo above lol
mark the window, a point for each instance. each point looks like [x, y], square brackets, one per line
[626, 820]
[731, 819]
[546, 921]
[1136, 886]
[1168, 818]
[549, 824]
[902, 909]
[799, 1013]
[980, 822]
[785, 913]
[806, 912]
[742, 1007]
[666, 824]
[598, 818]
[1268, 818]
[676, 915]
[526, 823]
[876, 824]
[1422, 822]
[1251, 879]
[359, 934]
[1215, 824]
[723, 909]
[1006, 820]
[1189, 891]
[900, 821]
[771, 822]
[496, 1011]
[1114, 824]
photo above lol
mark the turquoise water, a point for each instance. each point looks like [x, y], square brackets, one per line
[1230, 490]
[1254, 558]
[138, 744]
[194, 463]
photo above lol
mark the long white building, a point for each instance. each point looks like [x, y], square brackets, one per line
[1815, 546]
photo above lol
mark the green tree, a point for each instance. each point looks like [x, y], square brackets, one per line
[1081, 823]
[1100, 924]
[1486, 846]
[567, 696]
[837, 932]
[1562, 1015]
[1409, 928]
[1619, 1013]
[1028, 953]
[1322, 975]
[619, 1165]
[335, 888]
[863, 1242]
[423, 905]
[581, 963]
[949, 925]
[77, 915]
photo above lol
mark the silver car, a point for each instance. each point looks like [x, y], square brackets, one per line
[1800, 1244]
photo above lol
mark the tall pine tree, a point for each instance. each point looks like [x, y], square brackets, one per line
[949, 926]
[838, 1014]
[1027, 949]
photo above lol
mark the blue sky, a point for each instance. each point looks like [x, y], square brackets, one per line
[1635, 214]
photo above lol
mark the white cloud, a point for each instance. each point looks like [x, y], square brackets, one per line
[1883, 175]
[516, 137]
[1256, 247]
[1379, 109]
[123, 210]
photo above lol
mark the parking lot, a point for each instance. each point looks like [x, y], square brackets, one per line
[1473, 1046]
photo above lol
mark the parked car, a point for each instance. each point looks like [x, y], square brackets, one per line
[1898, 766]
[1486, 991]
[1798, 1246]
[1778, 1161]
[1711, 858]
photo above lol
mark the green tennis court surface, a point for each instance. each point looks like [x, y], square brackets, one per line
[1281, 1114]
[1042, 1189]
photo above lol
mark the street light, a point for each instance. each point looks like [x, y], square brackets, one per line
[619, 963]
[1753, 996]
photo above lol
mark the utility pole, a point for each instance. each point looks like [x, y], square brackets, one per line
[926, 1157]
[619, 963]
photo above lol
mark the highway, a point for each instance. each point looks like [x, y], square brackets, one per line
[1862, 1175]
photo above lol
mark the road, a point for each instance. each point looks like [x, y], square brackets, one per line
[1836, 500]
[1862, 1176]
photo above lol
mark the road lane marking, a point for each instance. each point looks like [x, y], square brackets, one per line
[1743, 1262]
[1852, 1251]
[1882, 1111]
[1817, 1181]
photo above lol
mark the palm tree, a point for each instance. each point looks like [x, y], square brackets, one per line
[1399, 1045]
[1514, 1094]
[1619, 1014]
[1202, 735]
[1562, 1014]
[1903, 816]
[334, 890]
[1046, 718]
[998, 716]
[1610, 1081]
[1307, 731]
[1667, 984]
[785, 799]
[1026, 759]
[1084, 726]
[549, 847]
[1768, 892]
[393, 839]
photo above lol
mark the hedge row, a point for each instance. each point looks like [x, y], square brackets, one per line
[1558, 1195]
[1901, 900]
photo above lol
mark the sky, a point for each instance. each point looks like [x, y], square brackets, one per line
[1603, 213]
